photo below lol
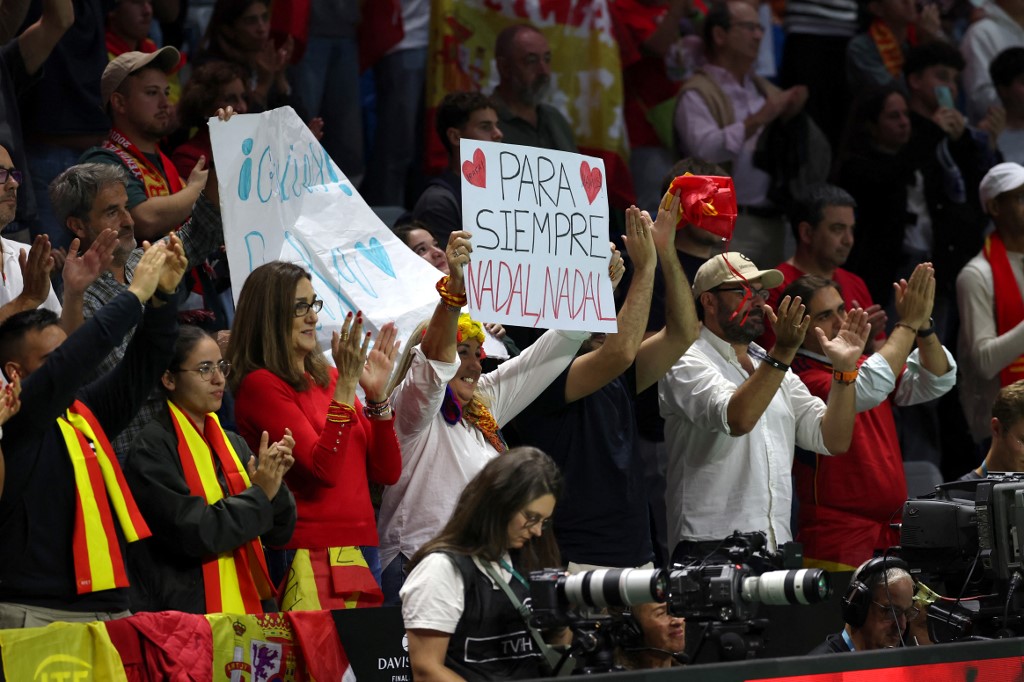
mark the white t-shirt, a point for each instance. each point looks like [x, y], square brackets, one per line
[433, 596]
[13, 283]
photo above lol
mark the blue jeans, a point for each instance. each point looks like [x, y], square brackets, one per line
[326, 82]
[393, 579]
[400, 78]
[47, 162]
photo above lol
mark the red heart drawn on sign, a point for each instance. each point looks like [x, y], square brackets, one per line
[476, 170]
[591, 180]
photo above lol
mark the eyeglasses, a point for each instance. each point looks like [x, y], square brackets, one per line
[207, 369]
[763, 294]
[7, 173]
[533, 518]
[891, 613]
[302, 308]
[747, 25]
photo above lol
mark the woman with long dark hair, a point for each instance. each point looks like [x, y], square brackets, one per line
[458, 623]
[282, 380]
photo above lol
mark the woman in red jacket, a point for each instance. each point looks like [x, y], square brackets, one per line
[283, 381]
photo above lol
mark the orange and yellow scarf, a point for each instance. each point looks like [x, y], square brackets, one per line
[99, 485]
[234, 581]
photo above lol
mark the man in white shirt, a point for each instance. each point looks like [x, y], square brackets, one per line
[26, 272]
[733, 413]
[989, 297]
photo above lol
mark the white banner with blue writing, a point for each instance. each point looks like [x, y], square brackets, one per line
[283, 198]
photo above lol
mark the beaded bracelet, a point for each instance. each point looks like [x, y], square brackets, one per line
[340, 413]
[452, 302]
[381, 409]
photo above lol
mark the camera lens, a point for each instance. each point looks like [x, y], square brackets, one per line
[616, 587]
[803, 586]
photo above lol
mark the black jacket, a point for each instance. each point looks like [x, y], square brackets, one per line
[37, 510]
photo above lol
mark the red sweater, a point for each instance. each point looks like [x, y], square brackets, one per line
[333, 462]
[847, 502]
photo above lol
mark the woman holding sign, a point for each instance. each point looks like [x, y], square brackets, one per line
[284, 381]
[449, 416]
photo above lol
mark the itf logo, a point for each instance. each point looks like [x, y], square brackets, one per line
[62, 668]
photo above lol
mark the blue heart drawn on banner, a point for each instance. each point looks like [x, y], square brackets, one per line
[376, 254]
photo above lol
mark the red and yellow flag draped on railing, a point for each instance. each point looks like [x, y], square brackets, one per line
[586, 73]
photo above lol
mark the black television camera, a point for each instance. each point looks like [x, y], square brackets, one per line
[965, 539]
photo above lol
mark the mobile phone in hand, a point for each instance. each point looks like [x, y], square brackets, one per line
[944, 96]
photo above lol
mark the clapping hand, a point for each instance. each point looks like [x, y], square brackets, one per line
[790, 323]
[36, 266]
[846, 348]
[379, 363]
[274, 462]
[349, 348]
[82, 270]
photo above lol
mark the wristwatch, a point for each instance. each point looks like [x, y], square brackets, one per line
[927, 331]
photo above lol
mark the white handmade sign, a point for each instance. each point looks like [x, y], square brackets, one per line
[283, 198]
[539, 220]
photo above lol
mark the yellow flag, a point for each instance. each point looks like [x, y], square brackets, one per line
[65, 652]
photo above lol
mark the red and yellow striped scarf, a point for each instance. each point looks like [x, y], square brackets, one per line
[99, 485]
[157, 183]
[235, 581]
[888, 47]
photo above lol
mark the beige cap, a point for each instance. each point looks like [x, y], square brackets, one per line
[1003, 177]
[723, 269]
[166, 59]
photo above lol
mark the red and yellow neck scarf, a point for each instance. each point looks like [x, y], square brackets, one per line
[235, 581]
[888, 47]
[99, 485]
[157, 183]
[1009, 304]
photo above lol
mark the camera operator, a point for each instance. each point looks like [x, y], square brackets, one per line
[463, 623]
[659, 638]
[878, 608]
[1007, 425]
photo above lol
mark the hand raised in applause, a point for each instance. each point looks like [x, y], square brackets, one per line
[916, 298]
[349, 348]
[846, 348]
[175, 266]
[790, 325]
[638, 240]
[275, 459]
[82, 270]
[147, 271]
[379, 363]
[36, 266]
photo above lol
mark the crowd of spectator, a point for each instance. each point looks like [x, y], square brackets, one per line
[876, 163]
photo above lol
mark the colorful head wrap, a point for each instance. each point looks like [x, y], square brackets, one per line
[470, 329]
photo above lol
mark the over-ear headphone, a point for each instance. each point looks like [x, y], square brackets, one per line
[857, 600]
[631, 636]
